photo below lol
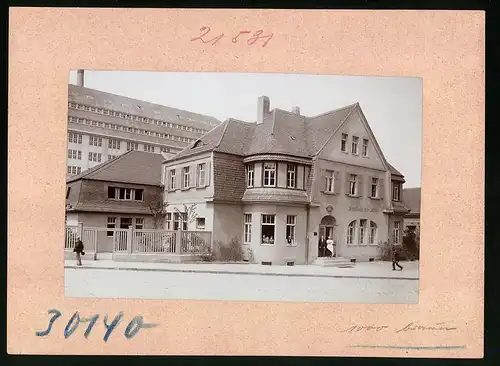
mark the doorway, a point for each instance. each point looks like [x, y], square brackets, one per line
[326, 231]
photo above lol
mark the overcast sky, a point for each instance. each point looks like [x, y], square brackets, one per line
[392, 105]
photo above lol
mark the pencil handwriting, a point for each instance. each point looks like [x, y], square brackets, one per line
[255, 36]
[408, 327]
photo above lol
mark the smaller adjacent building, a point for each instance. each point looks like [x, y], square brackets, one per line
[412, 201]
[122, 192]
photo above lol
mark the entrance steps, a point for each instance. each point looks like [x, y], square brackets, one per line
[339, 262]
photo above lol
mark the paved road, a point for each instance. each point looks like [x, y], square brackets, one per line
[202, 286]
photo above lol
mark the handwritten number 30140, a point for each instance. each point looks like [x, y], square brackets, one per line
[135, 325]
[257, 35]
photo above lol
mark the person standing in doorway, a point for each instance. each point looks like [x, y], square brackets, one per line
[395, 259]
[322, 246]
[79, 251]
[330, 247]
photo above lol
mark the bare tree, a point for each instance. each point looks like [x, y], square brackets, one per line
[188, 213]
[157, 208]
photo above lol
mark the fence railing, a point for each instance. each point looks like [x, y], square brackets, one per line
[120, 240]
[195, 242]
[71, 237]
[153, 241]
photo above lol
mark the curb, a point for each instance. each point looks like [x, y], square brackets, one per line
[240, 273]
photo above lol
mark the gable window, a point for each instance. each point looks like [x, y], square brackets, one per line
[330, 181]
[185, 180]
[247, 229]
[354, 147]
[201, 174]
[250, 175]
[343, 143]
[290, 229]
[125, 222]
[139, 224]
[372, 234]
[362, 229]
[169, 220]
[396, 191]
[395, 232]
[268, 229]
[269, 174]
[351, 229]
[171, 179]
[374, 190]
[291, 175]
[364, 149]
[111, 224]
[353, 184]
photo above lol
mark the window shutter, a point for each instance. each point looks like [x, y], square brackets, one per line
[192, 175]
[336, 182]
[208, 173]
[360, 191]
[323, 180]
[197, 175]
[178, 178]
[347, 182]
[381, 188]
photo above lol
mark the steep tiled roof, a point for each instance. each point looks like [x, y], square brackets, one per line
[281, 132]
[411, 198]
[136, 167]
[394, 171]
[123, 104]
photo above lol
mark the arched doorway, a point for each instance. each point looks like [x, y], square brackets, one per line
[326, 230]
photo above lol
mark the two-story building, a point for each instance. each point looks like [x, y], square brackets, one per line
[122, 192]
[281, 183]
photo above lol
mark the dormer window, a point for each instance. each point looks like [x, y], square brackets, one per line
[396, 191]
[269, 174]
[197, 144]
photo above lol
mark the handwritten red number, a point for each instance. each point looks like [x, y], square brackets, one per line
[205, 31]
[258, 35]
[235, 39]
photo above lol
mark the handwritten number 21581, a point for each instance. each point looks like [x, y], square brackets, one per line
[132, 329]
[257, 35]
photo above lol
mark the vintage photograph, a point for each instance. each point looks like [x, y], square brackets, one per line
[244, 187]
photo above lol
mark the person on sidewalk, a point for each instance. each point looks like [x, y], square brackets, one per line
[395, 259]
[79, 251]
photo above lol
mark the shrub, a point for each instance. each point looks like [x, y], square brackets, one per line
[385, 251]
[231, 252]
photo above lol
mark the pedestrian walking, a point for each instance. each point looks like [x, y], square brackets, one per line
[395, 259]
[79, 251]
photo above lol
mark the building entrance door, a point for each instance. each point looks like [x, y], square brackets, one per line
[326, 232]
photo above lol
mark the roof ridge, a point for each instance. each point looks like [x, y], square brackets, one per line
[217, 145]
[334, 110]
[353, 107]
[98, 168]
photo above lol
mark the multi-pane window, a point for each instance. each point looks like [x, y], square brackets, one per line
[351, 229]
[343, 142]
[95, 157]
[250, 175]
[114, 144]
[291, 176]
[111, 224]
[185, 177]
[149, 148]
[354, 146]
[74, 154]
[75, 138]
[290, 229]
[169, 220]
[132, 146]
[374, 190]
[180, 220]
[125, 222]
[396, 191]
[269, 174]
[353, 186]
[74, 170]
[171, 179]
[139, 224]
[248, 229]
[364, 149]
[330, 181]
[372, 234]
[395, 232]
[127, 194]
[268, 229]
[95, 141]
[111, 157]
[201, 174]
[362, 230]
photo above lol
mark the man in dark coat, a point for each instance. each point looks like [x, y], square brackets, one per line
[322, 246]
[395, 259]
[79, 251]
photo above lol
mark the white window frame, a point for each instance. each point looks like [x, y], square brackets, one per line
[139, 223]
[351, 232]
[290, 228]
[201, 174]
[396, 232]
[250, 175]
[330, 181]
[169, 220]
[198, 226]
[374, 184]
[364, 148]
[372, 234]
[343, 142]
[266, 221]
[247, 228]
[396, 191]
[110, 224]
[362, 231]
[355, 145]
[172, 179]
[185, 177]
[291, 175]
[269, 174]
[353, 184]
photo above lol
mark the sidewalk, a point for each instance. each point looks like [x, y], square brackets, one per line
[375, 270]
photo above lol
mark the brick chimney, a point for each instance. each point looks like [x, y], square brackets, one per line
[263, 108]
[79, 78]
[296, 110]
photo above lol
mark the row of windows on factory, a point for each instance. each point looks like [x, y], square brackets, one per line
[77, 138]
[139, 131]
[133, 117]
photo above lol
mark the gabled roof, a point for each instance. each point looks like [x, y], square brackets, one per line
[135, 167]
[394, 171]
[411, 198]
[281, 132]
